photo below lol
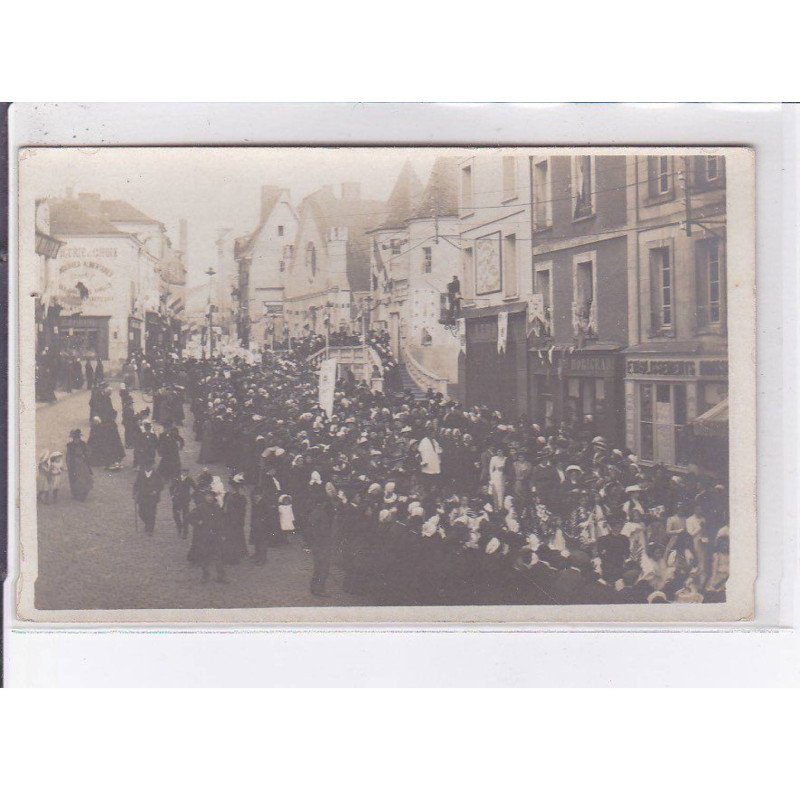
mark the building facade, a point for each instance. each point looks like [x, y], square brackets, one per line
[579, 276]
[263, 258]
[389, 260]
[329, 273]
[415, 255]
[112, 279]
[676, 367]
[495, 222]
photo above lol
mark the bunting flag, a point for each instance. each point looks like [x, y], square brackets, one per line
[502, 331]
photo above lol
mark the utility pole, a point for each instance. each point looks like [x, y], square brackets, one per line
[211, 273]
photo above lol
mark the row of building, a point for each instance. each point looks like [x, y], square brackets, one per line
[558, 287]
[111, 283]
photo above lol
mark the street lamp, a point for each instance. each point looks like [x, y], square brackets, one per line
[211, 273]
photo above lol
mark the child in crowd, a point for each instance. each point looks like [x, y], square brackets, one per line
[286, 515]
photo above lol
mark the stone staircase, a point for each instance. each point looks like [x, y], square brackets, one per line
[409, 384]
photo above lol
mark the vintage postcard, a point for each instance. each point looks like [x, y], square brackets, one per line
[386, 385]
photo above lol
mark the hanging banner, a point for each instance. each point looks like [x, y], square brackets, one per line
[327, 385]
[462, 334]
[537, 320]
[502, 331]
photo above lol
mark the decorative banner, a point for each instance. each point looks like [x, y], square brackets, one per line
[488, 272]
[537, 322]
[462, 334]
[327, 385]
[502, 331]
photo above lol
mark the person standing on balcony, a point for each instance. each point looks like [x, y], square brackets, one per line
[454, 296]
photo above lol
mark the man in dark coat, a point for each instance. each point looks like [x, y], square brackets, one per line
[234, 511]
[207, 530]
[613, 549]
[144, 451]
[320, 525]
[130, 423]
[99, 372]
[147, 493]
[181, 493]
[263, 522]
[89, 375]
[170, 444]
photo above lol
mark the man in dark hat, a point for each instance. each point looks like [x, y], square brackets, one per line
[144, 451]
[170, 444]
[146, 493]
[180, 491]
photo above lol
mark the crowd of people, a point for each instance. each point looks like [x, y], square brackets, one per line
[64, 372]
[419, 501]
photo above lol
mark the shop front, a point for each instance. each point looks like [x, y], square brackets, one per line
[494, 370]
[156, 332]
[573, 386]
[664, 396]
[134, 336]
[84, 336]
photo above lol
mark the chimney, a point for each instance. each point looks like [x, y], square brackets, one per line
[351, 191]
[91, 202]
[183, 236]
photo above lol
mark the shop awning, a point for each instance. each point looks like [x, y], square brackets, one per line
[713, 422]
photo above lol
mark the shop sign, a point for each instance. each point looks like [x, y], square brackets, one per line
[714, 369]
[681, 369]
[677, 368]
[589, 365]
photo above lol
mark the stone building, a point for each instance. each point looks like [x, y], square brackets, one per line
[111, 279]
[263, 258]
[330, 269]
[676, 367]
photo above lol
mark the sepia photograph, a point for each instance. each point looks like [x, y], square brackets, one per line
[386, 384]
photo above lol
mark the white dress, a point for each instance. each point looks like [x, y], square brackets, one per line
[497, 480]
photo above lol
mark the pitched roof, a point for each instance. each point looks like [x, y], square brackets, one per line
[269, 199]
[121, 211]
[270, 195]
[358, 216]
[440, 198]
[403, 199]
[70, 217]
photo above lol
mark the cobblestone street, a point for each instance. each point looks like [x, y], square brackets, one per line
[91, 556]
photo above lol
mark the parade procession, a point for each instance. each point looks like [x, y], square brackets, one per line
[464, 395]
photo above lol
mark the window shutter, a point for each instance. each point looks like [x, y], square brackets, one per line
[652, 176]
[701, 282]
[469, 274]
[698, 177]
[655, 293]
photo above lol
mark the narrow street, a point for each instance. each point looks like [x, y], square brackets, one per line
[91, 555]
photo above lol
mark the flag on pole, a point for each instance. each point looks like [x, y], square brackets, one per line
[327, 385]
[502, 331]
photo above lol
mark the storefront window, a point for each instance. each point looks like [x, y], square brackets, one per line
[646, 420]
[682, 454]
